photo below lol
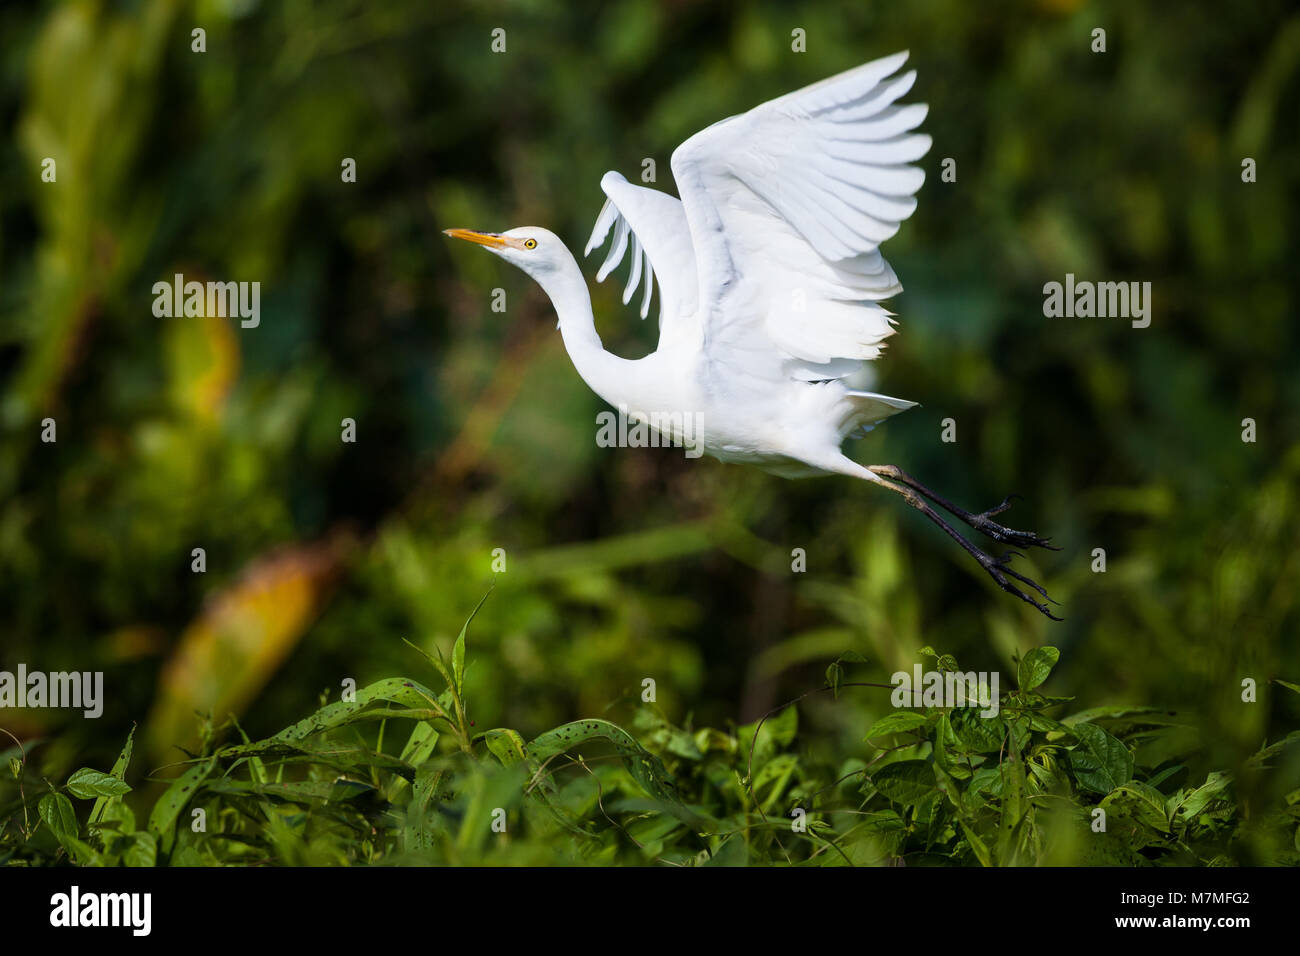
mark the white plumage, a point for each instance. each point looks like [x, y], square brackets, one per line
[770, 280]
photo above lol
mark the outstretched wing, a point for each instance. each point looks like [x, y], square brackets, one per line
[653, 226]
[787, 206]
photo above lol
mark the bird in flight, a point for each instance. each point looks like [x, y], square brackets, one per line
[770, 282]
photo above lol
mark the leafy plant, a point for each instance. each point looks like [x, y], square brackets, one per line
[933, 785]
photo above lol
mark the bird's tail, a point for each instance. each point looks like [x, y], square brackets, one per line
[866, 410]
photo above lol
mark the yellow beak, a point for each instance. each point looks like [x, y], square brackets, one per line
[489, 239]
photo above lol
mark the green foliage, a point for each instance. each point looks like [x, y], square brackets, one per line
[476, 434]
[932, 785]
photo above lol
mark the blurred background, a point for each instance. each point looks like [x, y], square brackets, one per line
[474, 433]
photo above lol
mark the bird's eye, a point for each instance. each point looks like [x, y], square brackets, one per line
[530, 243]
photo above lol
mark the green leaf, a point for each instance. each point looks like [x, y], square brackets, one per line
[733, 852]
[660, 735]
[779, 770]
[1288, 685]
[773, 733]
[945, 740]
[438, 663]
[162, 821]
[87, 783]
[783, 727]
[189, 856]
[882, 821]
[1135, 714]
[978, 846]
[834, 676]
[1164, 775]
[370, 704]
[1100, 761]
[899, 722]
[118, 818]
[421, 826]
[484, 795]
[905, 782]
[1143, 801]
[296, 791]
[421, 744]
[83, 853]
[977, 734]
[119, 771]
[458, 652]
[1035, 666]
[646, 769]
[1189, 805]
[141, 851]
[712, 740]
[986, 779]
[506, 745]
[1014, 807]
[1260, 760]
[948, 786]
[57, 812]
[328, 753]
[1109, 849]
[1047, 725]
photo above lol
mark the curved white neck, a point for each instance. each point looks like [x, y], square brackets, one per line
[612, 378]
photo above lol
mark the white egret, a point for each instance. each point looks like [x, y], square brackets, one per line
[770, 282]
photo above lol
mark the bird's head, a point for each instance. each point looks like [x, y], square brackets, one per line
[539, 252]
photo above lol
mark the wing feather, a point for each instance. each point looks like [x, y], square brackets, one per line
[652, 226]
[787, 206]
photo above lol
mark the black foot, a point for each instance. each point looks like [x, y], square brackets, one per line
[982, 522]
[999, 568]
[1024, 539]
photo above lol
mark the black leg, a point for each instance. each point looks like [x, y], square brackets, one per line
[997, 568]
[981, 522]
